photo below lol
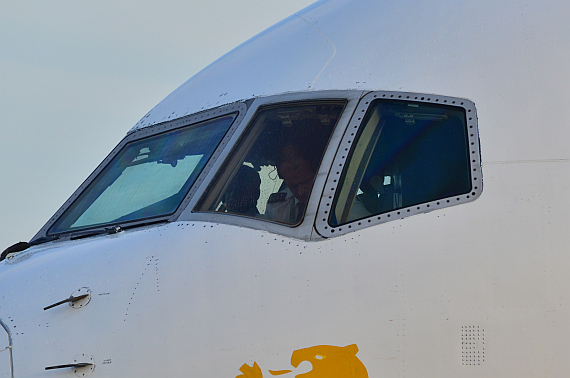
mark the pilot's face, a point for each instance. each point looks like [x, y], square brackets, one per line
[297, 174]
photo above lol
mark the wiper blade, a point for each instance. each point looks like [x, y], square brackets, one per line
[114, 229]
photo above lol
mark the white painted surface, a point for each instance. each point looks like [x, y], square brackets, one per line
[508, 57]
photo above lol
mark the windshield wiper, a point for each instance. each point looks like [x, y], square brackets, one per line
[113, 229]
[106, 230]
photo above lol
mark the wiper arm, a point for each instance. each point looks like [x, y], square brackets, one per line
[21, 246]
[114, 229]
[106, 230]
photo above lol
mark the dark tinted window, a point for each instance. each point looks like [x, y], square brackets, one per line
[271, 171]
[405, 154]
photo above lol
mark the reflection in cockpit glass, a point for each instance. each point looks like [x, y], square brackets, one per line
[271, 173]
[148, 178]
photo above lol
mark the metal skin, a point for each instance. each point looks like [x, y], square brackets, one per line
[480, 289]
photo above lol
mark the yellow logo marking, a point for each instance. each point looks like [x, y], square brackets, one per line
[279, 372]
[250, 371]
[327, 362]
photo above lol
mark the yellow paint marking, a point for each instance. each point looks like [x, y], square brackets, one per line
[250, 371]
[327, 361]
[330, 362]
[279, 372]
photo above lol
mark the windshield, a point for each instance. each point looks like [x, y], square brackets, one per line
[147, 178]
[271, 172]
[405, 154]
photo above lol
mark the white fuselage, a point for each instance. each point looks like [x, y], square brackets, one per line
[479, 289]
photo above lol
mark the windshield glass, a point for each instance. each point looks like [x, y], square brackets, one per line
[405, 154]
[147, 178]
[271, 173]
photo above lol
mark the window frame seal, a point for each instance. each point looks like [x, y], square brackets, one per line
[333, 183]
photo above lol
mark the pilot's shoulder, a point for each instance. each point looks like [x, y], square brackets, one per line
[277, 197]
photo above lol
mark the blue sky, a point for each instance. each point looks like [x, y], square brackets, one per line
[75, 76]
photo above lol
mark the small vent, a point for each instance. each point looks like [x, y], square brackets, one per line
[472, 345]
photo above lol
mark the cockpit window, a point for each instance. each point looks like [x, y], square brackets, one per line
[405, 154]
[147, 178]
[271, 171]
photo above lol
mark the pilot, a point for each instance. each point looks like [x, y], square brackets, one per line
[243, 192]
[298, 173]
